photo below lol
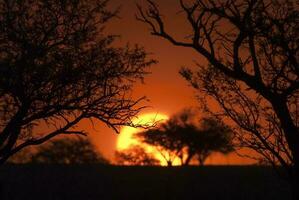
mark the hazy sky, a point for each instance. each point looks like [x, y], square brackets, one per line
[167, 91]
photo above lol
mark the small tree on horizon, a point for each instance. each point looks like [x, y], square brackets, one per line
[67, 151]
[183, 138]
[218, 137]
[135, 155]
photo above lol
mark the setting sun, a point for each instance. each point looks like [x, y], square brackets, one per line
[126, 139]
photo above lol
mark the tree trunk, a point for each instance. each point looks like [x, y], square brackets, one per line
[189, 157]
[10, 134]
[294, 176]
[292, 137]
[187, 161]
[181, 157]
[201, 161]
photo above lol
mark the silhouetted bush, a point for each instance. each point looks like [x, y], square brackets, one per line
[61, 151]
[135, 155]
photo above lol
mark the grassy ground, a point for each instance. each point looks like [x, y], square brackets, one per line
[109, 182]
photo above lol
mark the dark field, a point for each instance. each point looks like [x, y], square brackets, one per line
[109, 182]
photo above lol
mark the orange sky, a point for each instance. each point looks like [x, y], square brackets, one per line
[167, 91]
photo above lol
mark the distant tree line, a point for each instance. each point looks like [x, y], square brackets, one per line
[67, 151]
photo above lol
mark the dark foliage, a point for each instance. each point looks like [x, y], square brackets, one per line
[135, 155]
[66, 151]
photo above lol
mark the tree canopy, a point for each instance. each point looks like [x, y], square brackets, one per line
[184, 138]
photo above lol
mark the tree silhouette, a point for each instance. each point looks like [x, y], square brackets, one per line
[60, 151]
[215, 136]
[253, 74]
[68, 151]
[181, 137]
[135, 155]
[160, 140]
[57, 68]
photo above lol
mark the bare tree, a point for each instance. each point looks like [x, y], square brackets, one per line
[135, 155]
[184, 138]
[57, 68]
[252, 50]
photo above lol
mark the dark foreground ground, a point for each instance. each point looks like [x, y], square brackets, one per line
[110, 182]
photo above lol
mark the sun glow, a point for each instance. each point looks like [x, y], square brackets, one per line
[126, 139]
